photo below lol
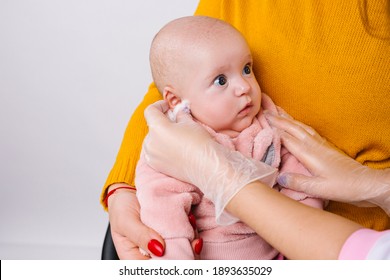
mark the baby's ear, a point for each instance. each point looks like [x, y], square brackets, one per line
[170, 96]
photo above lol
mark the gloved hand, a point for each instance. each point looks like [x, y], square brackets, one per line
[335, 175]
[186, 151]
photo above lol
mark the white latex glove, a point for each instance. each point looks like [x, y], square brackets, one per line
[186, 151]
[335, 175]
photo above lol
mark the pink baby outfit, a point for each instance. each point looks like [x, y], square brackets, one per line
[166, 202]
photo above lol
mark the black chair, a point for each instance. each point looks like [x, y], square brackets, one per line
[109, 251]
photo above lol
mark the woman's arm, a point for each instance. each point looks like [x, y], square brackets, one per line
[296, 230]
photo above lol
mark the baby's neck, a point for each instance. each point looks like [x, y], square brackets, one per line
[234, 133]
[230, 133]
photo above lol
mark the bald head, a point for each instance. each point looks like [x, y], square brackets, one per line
[179, 39]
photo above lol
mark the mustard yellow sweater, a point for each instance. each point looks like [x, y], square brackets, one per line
[327, 63]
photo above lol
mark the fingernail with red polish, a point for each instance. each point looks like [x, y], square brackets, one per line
[198, 246]
[156, 247]
[192, 220]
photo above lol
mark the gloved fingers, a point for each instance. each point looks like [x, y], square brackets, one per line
[171, 147]
[307, 135]
[291, 126]
[315, 186]
[283, 113]
[336, 175]
[183, 116]
[316, 154]
[158, 123]
[312, 186]
[155, 113]
[309, 152]
[330, 187]
[194, 132]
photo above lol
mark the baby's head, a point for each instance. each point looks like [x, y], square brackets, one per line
[207, 62]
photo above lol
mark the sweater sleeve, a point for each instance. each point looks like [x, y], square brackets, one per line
[366, 244]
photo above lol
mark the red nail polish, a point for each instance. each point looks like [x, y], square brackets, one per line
[198, 246]
[192, 220]
[156, 247]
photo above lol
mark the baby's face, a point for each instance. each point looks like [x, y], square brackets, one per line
[219, 83]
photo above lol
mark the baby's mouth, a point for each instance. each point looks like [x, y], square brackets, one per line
[246, 109]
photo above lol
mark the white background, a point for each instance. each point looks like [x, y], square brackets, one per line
[188, 269]
[71, 74]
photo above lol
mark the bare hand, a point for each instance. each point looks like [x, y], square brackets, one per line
[128, 232]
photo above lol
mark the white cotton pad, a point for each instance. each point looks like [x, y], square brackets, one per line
[184, 106]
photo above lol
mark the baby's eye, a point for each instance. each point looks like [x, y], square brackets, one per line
[220, 80]
[247, 69]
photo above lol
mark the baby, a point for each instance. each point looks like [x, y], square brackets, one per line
[206, 64]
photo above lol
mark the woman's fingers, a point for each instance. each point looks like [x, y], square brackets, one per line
[301, 140]
[309, 185]
[293, 127]
[128, 232]
[126, 249]
[311, 152]
[155, 113]
[183, 116]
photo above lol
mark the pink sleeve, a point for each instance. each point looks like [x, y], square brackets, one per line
[362, 243]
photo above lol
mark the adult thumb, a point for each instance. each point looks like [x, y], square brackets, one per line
[298, 182]
[183, 116]
[155, 113]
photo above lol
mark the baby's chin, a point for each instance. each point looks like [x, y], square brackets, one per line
[238, 127]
